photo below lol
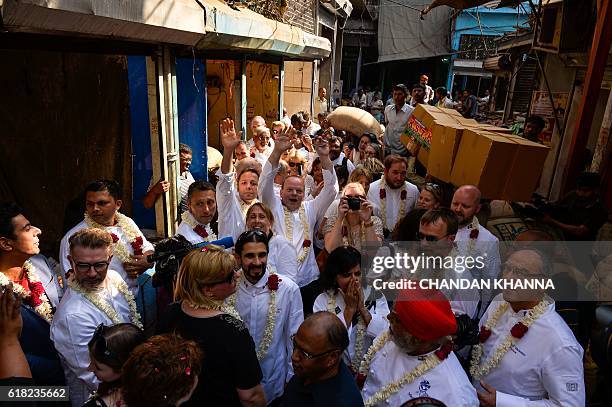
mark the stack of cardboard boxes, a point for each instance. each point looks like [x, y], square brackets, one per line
[462, 151]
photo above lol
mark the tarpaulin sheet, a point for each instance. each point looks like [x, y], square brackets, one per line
[402, 35]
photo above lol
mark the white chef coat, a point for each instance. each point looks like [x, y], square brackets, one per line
[252, 302]
[544, 368]
[232, 209]
[446, 382]
[282, 257]
[73, 327]
[378, 324]
[115, 263]
[45, 270]
[393, 201]
[396, 124]
[308, 270]
[188, 233]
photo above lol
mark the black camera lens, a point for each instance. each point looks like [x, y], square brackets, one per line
[354, 203]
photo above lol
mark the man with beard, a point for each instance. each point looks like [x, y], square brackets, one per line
[202, 205]
[130, 247]
[415, 357]
[473, 239]
[417, 94]
[337, 156]
[232, 202]
[321, 378]
[96, 295]
[28, 273]
[270, 307]
[542, 365]
[296, 218]
[392, 193]
[396, 117]
[581, 213]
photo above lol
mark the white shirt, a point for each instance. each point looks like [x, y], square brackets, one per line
[429, 94]
[188, 233]
[308, 270]
[185, 180]
[349, 165]
[252, 303]
[73, 327]
[281, 257]
[312, 129]
[396, 124]
[232, 209]
[544, 368]
[393, 201]
[115, 263]
[447, 382]
[378, 324]
[45, 270]
[320, 106]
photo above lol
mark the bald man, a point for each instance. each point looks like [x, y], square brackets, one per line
[321, 377]
[473, 239]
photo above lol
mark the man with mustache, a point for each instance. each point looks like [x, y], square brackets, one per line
[102, 204]
[270, 307]
[96, 295]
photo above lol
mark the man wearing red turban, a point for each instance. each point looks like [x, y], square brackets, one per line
[414, 358]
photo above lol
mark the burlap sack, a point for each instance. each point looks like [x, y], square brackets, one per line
[354, 120]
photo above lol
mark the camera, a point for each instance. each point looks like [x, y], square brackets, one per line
[167, 268]
[467, 331]
[354, 203]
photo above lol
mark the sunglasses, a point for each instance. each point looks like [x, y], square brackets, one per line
[246, 236]
[85, 267]
[293, 164]
[429, 238]
[100, 341]
[308, 355]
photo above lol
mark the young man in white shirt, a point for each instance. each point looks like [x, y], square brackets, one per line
[202, 206]
[392, 194]
[271, 308]
[396, 117]
[543, 364]
[102, 204]
[96, 295]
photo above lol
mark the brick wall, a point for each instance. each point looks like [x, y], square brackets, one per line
[300, 13]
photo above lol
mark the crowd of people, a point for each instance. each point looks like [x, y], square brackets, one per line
[287, 317]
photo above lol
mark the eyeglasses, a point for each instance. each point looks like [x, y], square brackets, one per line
[429, 238]
[263, 137]
[99, 266]
[294, 164]
[100, 341]
[307, 355]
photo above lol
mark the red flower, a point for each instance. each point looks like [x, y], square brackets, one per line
[403, 195]
[36, 290]
[306, 243]
[115, 238]
[252, 155]
[519, 330]
[361, 378]
[444, 350]
[201, 231]
[474, 234]
[273, 281]
[139, 241]
[484, 334]
[382, 193]
[188, 371]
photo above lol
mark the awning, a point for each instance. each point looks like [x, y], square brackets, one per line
[244, 30]
[203, 24]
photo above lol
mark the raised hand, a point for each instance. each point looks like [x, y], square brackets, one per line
[366, 210]
[229, 138]
[282, 143]
[321, 147]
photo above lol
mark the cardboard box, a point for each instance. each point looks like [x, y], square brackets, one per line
[524, 177]
[443, 151]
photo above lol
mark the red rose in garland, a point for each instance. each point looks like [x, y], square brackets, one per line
[484, 334]
[519, 330]
[115, 238]
[403, 195]
[383, 193]
[474, 234]
[361, 378]
[137, 246]
[306, 243]
[444, 350]
[273, 281]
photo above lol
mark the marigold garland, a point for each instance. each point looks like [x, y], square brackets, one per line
[36, 298]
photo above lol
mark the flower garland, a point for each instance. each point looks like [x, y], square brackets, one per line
[98, 302]
[131, 234]
[474, 228]
[36, 298]
[359, 338]
[431, 361]
[516, 333]
[383, 207]
[347, 236]
[245, 206]
[268, 334]
[289, 231]
[204, 231]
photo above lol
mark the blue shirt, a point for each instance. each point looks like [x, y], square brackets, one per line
[338, 391]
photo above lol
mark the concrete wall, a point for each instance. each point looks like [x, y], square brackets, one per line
[223, 79]
[262, 91]
[301, 14]
[298, 86]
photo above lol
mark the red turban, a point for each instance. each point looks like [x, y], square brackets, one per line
[425, 314]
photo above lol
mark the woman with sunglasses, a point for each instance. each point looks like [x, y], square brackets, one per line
[362, 310]
[109, 348]
[430, 196]
[261, 150]
[260, 217]
[231, 375]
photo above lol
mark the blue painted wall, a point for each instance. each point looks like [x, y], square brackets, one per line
[492, 22]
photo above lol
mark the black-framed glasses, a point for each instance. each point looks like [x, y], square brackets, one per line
[294, 164]
[85, 267]
[429, 238]
[100, 341]
[308, 355]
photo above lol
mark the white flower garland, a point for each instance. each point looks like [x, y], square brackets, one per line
[359, 337]
[44, 309]
[532, 315]
[190, 221]
[289, 231]
[475, 225]
[95, 299]
[348, 239]
[268, 334]
[430, 362]
[383, 205]
[131, 234]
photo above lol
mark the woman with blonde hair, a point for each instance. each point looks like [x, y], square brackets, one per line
[231, 375]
